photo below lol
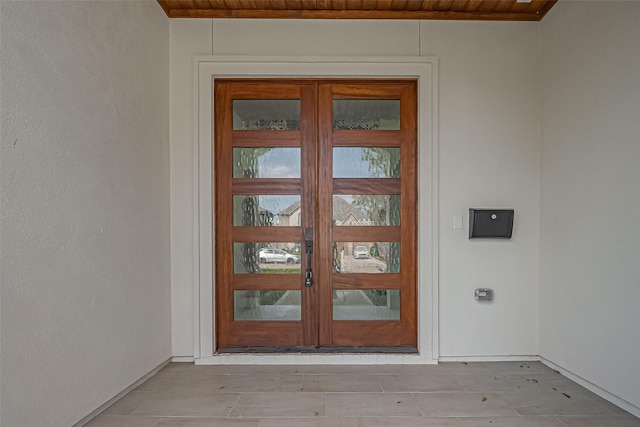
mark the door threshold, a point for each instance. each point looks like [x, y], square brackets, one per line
[318, 350]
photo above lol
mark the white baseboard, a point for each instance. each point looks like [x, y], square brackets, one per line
[120, 395]
[629, 407]
[182, 359]
[509, 358]
[349, 359]
[314, 359]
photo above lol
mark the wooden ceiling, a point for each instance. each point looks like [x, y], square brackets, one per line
[479, 10]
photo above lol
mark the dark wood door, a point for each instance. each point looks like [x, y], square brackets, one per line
[315, 213]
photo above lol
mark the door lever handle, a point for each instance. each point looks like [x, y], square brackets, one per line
[308, 248]
[308, 278]
[308, 275]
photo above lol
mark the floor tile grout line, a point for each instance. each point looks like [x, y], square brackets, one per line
[417, 406]
[138, 406]
[326, 404]
[234, 405]
[598, 401]
[500, 396]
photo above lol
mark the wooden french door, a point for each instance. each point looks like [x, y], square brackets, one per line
[315, 213]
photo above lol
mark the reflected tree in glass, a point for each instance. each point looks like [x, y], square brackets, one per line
[366, 162]
[247, 166]
[383, 162]
[373, 209]
[245, 162]
[247, 212]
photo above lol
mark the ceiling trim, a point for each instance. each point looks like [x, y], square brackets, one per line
[480, 10]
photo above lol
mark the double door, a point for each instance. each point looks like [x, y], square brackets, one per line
[315, 213]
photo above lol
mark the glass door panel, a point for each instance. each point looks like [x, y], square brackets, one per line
[266, 258]
[366, 114]
[366, 304]
[266, 162]
[266, 210]
[366, 209]
[366, 257]
[267, 305]
[266, 114]
[366, 162]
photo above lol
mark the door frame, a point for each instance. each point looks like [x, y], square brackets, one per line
[205, 70]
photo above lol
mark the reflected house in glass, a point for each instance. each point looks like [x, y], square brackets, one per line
[291, 215]
[347, 214]
[344, 213]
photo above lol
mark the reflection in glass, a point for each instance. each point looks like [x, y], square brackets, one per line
[266, 114]
[266, 211]
[266, 258]
[366, 209]
[366, 114]
[363, 162]
[266, 163]
[366, 257]
[366, 304]
[266, 305]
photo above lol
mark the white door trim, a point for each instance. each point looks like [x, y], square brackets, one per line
[206, 70]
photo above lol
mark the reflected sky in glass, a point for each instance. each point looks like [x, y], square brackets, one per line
[366, 162]
[266, 162]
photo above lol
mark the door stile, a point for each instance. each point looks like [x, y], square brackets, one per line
[309, 152]
[325, 215]
[409, 216]
[223, 263]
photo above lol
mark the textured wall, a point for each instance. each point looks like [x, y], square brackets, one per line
[84, 192]
[489, 158]
[590, 246]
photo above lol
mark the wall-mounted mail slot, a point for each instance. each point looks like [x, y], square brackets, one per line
[490, 223]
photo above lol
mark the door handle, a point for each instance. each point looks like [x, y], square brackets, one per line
[308, 248]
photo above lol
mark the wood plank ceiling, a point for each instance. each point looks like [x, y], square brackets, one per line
[481, 10]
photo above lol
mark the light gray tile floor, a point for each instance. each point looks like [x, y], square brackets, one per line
[498, 394]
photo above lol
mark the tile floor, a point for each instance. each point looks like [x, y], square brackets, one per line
[449, 394]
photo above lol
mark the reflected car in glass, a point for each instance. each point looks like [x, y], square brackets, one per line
[269, 255]
[361, 252]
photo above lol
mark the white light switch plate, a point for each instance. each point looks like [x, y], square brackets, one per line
[457, 222]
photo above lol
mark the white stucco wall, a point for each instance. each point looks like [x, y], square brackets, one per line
[489, 113]
[590, 246]
[84, 192]
[489, 144]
